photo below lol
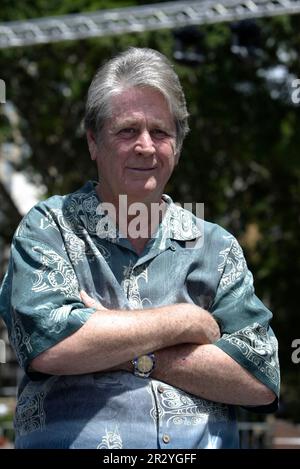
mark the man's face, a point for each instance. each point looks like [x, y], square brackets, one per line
[136, 154]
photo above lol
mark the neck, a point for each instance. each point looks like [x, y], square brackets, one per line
[136, 219]
[107, 197]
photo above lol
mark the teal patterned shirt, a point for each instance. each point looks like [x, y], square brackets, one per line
[64, 245]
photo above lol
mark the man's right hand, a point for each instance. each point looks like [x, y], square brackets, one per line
[201, 327]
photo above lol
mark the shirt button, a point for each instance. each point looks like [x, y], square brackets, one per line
[160, 389]
[172, 247]
[166, 438]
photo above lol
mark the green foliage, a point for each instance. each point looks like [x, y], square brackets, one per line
[241, 158]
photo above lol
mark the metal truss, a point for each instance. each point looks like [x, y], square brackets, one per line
[138, 19]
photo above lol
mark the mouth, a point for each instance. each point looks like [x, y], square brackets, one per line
[142, 170]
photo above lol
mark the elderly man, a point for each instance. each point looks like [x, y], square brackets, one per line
[133, 334]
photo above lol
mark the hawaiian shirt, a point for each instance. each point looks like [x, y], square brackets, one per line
[63, 245]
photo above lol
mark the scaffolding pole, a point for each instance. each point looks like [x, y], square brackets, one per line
[138, 19]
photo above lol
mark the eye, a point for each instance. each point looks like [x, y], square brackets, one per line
[159, 133]
[127, 132]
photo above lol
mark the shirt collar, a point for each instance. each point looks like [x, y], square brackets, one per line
[83, 210]
[180, 224]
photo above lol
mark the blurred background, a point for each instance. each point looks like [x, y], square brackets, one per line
[238, 62]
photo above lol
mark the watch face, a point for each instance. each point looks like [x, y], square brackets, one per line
[145, 364]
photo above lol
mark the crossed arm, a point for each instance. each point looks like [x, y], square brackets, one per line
[181, 336]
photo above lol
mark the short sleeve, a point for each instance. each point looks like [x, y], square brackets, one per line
[40, 299]
[244, 320]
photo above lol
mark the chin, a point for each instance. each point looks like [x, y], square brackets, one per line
[142, 188]
[142, 194]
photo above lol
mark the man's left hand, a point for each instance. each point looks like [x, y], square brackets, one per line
[89, 301]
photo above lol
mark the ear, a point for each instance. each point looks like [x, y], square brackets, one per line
[177, 156]
[92, 144]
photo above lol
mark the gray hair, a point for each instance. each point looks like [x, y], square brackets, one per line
[136, 67]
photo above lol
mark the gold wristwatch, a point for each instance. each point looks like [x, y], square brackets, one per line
[143, 365]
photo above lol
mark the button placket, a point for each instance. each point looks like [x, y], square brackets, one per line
[159, 389]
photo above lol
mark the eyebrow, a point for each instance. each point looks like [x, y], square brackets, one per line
[119, 123]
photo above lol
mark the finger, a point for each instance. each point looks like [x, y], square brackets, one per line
[89, 301]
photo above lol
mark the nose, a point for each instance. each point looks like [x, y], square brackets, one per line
[144, 145]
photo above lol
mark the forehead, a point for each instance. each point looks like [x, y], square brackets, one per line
[140, 102]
